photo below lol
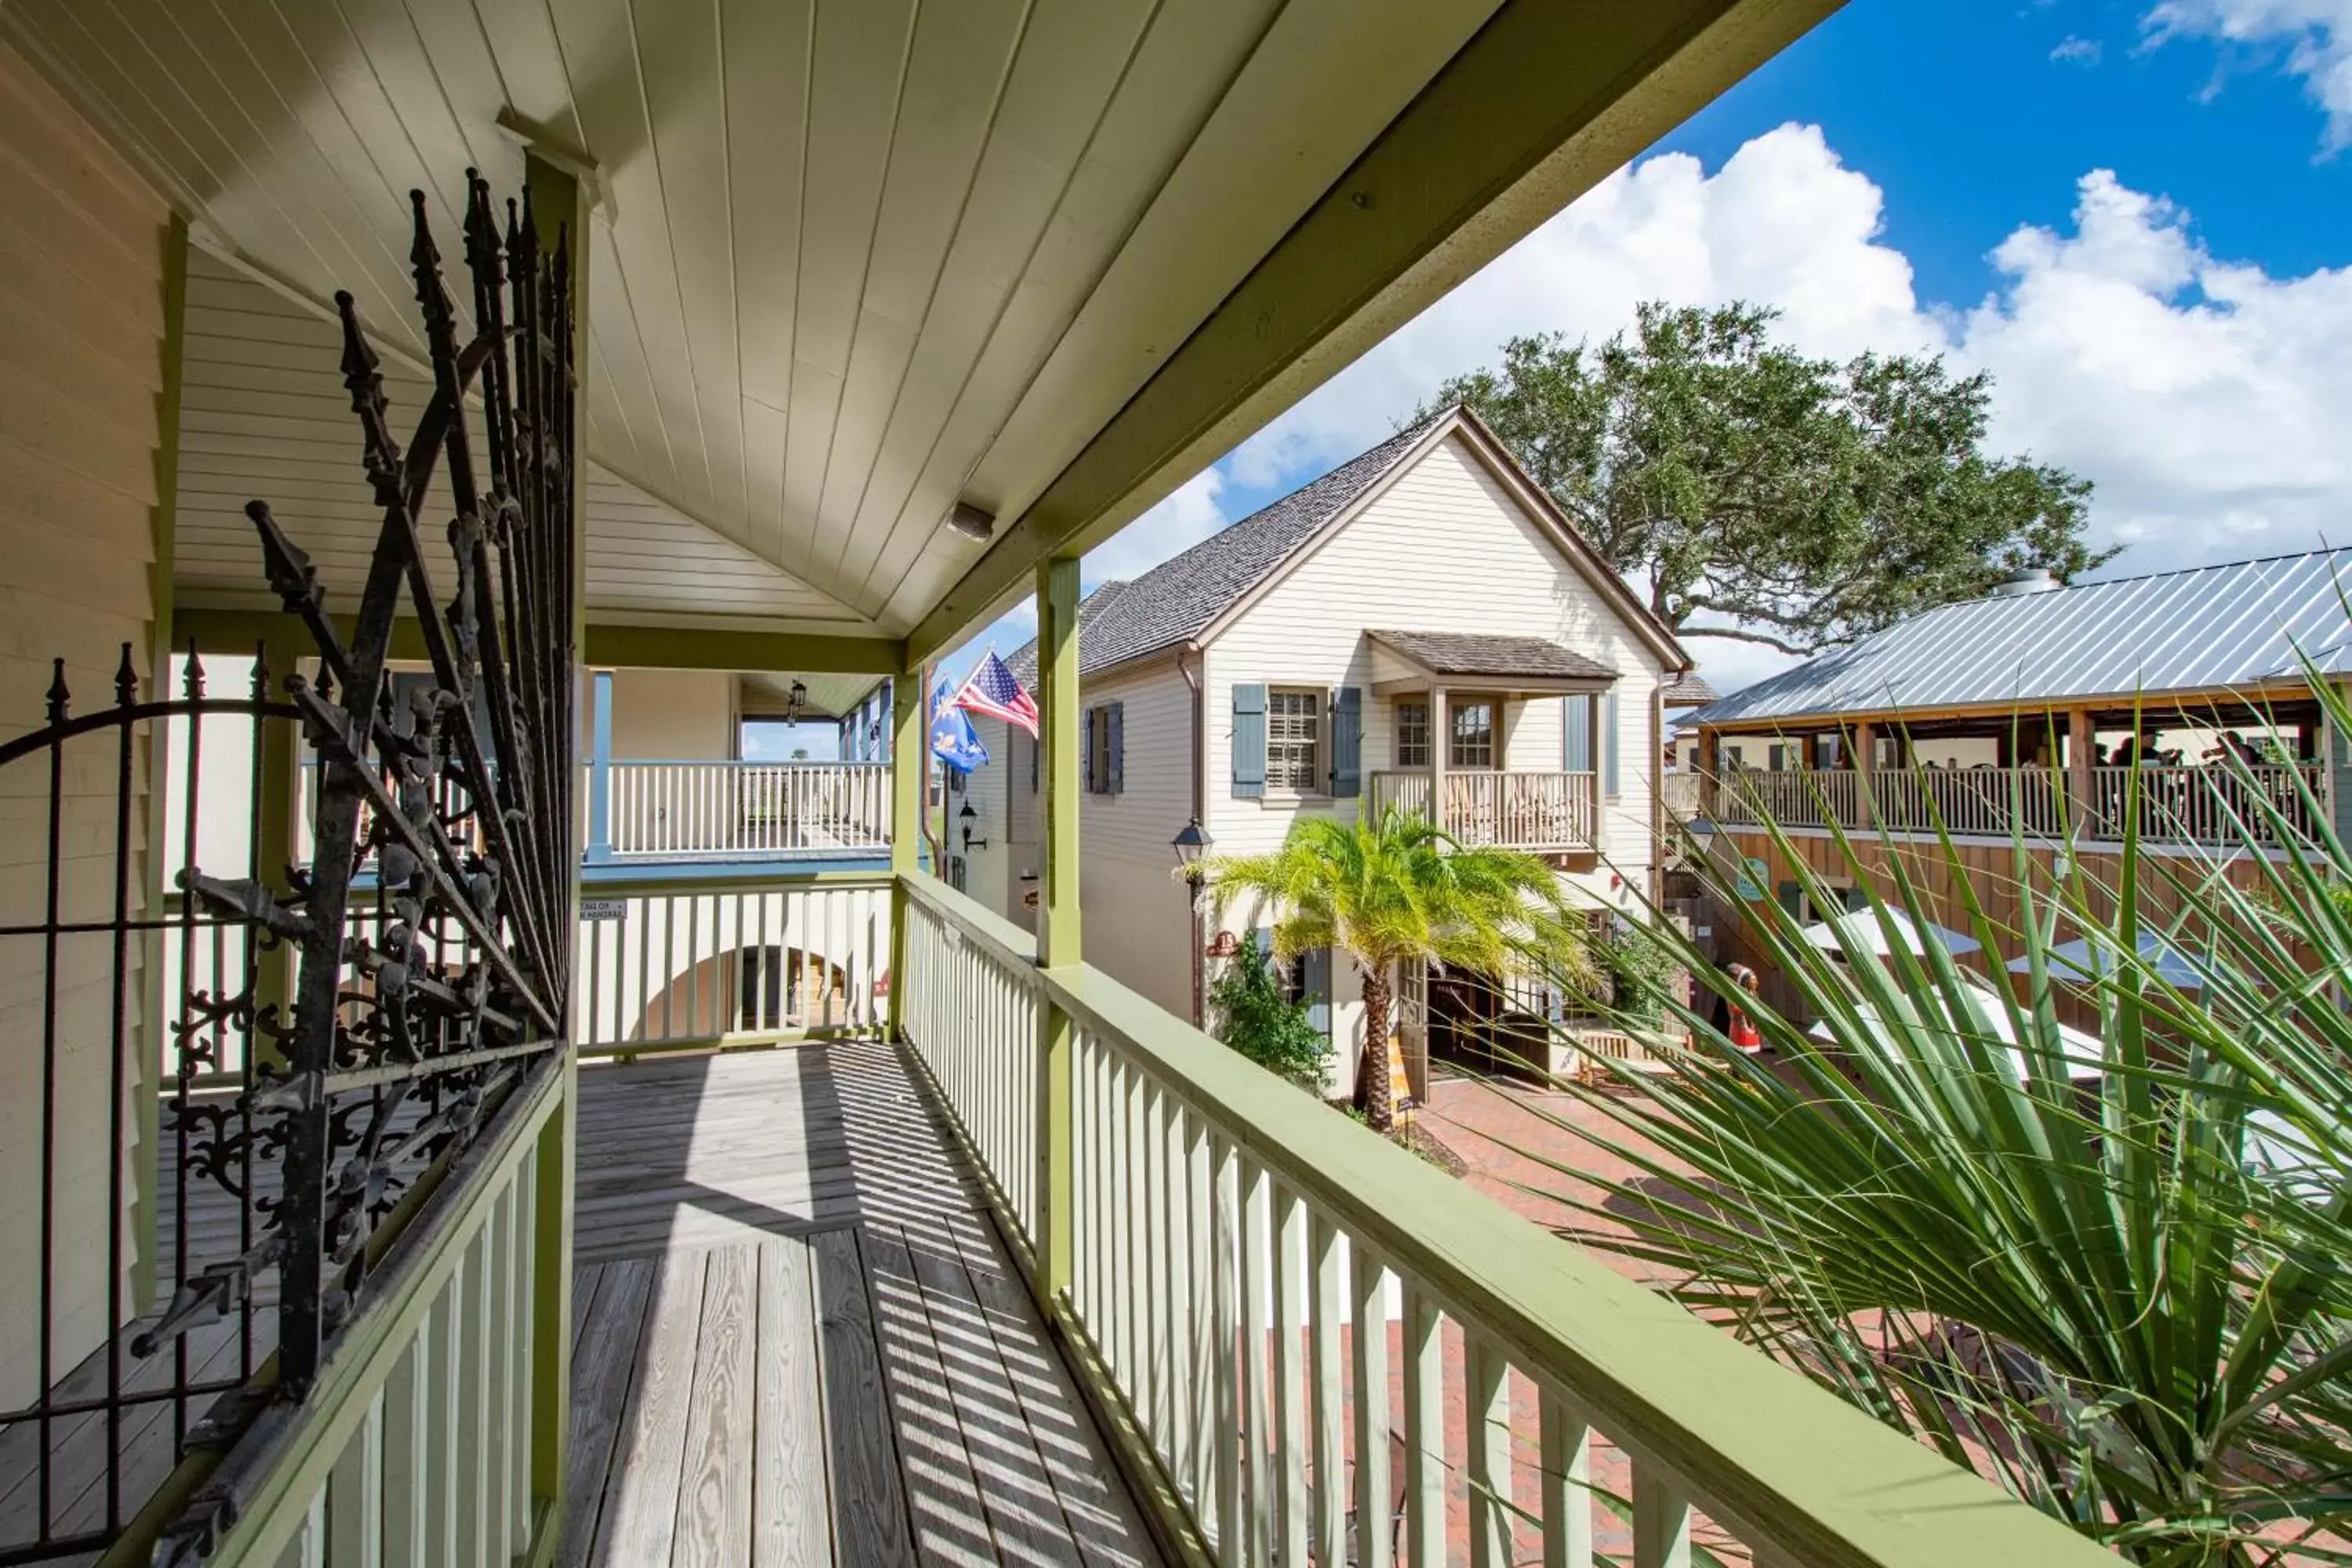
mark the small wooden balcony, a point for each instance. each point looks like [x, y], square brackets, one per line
[643, 810]
[1541, 811]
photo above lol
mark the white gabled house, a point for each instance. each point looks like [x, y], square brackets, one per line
[1422, 624]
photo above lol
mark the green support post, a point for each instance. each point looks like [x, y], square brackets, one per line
[1057, 915]
[906, 768]
[560, 202]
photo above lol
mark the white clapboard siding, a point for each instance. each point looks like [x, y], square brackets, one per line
[1443, 548]
[83, 251]
[266, 415]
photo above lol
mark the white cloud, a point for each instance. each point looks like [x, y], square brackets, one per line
[2204, 396]
[2073, 50]
[2315, 34]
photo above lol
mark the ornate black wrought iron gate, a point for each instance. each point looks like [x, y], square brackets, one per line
[331, 1033]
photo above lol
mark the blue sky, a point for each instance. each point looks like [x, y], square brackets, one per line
[2136, 214]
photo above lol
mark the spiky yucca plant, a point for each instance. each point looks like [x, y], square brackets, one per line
[2092, 1292]
[1389, 889]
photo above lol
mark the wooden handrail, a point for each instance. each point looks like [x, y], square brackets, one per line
[1784, 1465]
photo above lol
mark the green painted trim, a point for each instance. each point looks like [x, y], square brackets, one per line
[558, 201]
[708, 647]
[236, 631]
[909, 765]
[626, 647]
[1060, 926]
[655, 887]
[1755, 1441]
[147, 1176]
[366, 1360]
[1547, 100]
[1059, 938]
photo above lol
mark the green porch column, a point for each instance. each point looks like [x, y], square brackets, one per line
[909, 762]
[560, 203]
[1057, 911]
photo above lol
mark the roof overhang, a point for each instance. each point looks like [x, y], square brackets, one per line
[850, 267]
[1406, 662]
[1545, 102]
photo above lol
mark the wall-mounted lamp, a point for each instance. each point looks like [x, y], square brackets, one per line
[966, 817]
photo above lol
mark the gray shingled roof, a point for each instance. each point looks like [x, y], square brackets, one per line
[1688, 692]
[1176, 600]
[2211, 627]
[1471, 654]
[1023, 662]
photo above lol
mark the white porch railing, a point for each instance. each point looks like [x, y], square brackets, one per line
[721, 808]
[666, 965]
[1516, 809]
[2186, 805]
[1236, 1254]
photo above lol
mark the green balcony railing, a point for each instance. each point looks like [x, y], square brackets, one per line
[1275, 1311]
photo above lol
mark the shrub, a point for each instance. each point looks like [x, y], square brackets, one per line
[1254, 1018]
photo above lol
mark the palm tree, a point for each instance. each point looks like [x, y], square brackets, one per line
[1393, 889]
[2117, 1285]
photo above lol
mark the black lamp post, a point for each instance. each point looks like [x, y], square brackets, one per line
[966, 817]
[1191, 844]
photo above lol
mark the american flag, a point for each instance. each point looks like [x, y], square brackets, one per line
[993, 692]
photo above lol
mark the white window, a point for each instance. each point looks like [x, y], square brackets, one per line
[1412, 734]
[1472, 744]
[1294, 732]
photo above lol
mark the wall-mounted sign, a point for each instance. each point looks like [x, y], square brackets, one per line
[1225, 945]
[603, 908]
[1029, 899]
[1752, 876]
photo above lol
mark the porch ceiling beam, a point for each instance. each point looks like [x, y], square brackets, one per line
[622, 647]
[1548, 98]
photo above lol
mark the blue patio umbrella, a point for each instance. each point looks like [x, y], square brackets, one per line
[2073, 963]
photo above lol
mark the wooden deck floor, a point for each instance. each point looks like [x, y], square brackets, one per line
[799, 1342]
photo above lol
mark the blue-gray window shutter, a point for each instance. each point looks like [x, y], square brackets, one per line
[1608, 745]
[1348, 741]
[1115, 746]
[1576, 726]
[1315, 982]
[1034, 750]
[1086, 755]
[1249, 740]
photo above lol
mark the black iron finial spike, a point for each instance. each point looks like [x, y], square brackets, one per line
[58, 696]
[126, 681]
[192, 677]
[260, 671]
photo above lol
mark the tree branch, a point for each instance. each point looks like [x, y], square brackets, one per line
[1740, 633]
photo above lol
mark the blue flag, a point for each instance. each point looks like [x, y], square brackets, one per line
[953, 739]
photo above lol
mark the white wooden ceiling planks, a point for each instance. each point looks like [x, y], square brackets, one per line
[859, 259]
[264, 412]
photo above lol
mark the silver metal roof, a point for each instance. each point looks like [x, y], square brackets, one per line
[2238, 625]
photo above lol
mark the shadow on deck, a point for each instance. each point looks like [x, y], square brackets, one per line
[798, 1339]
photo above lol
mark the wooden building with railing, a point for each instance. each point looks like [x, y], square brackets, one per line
[2177, 706]
[818, 337]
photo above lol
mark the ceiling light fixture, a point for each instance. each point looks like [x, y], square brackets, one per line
[971, 522]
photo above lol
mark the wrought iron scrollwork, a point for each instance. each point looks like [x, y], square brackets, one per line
[442, 805]
[361, 1018]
